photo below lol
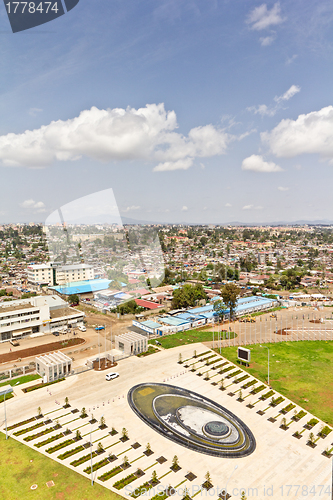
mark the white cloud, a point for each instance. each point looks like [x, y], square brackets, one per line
[184, 209]
[310, 133]
[34, 111]
[256, 163]
[228, 205]
[262, 110]
[294, 89]
[261, 18]
[131, 209]
[174, 165]
[31, 204]
[147, 133]
[291, 59]
[265, 110]
[252, 207]
[281, 188]
[267, 40]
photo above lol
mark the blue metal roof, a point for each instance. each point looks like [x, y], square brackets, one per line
[174, 321]
[151, 324]
[82, 287]
[189, 317]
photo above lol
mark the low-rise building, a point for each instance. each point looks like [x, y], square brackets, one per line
[131, 343]
[53, 366]
[36, 316]
[53, 274]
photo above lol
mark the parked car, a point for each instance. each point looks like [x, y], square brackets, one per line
[111, 376]
[99, 328]
[157, 342]
[56, 334]
[82, 329]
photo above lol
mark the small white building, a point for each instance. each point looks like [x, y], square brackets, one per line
[131, 343]
[53, 366]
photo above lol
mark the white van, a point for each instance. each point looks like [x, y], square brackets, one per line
[111, 376]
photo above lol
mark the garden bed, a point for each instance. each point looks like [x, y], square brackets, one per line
[128, 479]
[40, 349]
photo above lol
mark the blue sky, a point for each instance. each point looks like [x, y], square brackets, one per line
[191, 111]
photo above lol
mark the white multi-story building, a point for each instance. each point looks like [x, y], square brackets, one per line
[36, 316]
[52, 274]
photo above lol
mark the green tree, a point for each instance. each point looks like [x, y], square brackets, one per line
[73, 299]
[219, 308]
[154, 477]
[230, 293]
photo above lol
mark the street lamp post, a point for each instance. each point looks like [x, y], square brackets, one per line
[91, 464]
[226, 486]
[3, 393]
[268, 359]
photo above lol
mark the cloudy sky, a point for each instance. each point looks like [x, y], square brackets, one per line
[190, 110]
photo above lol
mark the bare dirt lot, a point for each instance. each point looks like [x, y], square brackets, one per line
[41, 349]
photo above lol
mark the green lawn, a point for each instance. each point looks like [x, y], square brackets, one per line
[18, 473]
[187, 337]
[21, 380]
[302, 371]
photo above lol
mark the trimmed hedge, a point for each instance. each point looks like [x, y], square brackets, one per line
[39, 386]
[21, 423]
[267, 395]
[49, 440]
[255, 390]
[127, 480]
[60, 445]
[28, 429]
[110, 473]
[249, 384]
[69, 453]
[83, 459]
[287, 408]
[97, 465]
[39, 434]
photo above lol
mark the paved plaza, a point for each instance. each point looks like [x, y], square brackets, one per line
[279, 464]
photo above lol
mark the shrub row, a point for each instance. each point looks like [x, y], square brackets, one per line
[49, 440]
[69, 453]
[276, 401]
[241, 379]
[225, 370]
[21, 423]
[60, 445]
[97, 465]
[255, 390]
[142, 489]
[300, 415]
[287, 408]
[127, 480]
[42, 433]
[110, 473]
[249, 384]
[267, 395]
[312, 422]
[233, 374]
[28, 429]
[83, 459]
[325, 431]
[39, 386]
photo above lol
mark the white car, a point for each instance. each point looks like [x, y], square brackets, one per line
[111, 376]
[82, 329]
